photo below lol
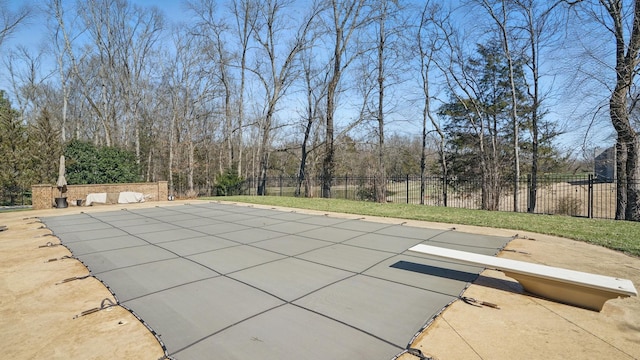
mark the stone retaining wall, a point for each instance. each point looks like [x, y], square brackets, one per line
[43, 195]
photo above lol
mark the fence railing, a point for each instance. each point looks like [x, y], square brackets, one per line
[15, 196]
[579, 195]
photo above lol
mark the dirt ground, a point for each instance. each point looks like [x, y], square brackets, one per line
[40, 311]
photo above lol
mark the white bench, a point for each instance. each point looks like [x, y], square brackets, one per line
[577, 288]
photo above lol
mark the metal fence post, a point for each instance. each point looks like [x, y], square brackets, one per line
[444, 190]
[590, 197]
[553, 197]
[375, 188]
[529, 209]
[407, 188]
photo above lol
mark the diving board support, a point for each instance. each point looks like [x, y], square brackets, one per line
[572, 287]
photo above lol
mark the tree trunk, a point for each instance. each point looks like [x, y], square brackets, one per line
[191, 163]
[262, 179]
[302, 170]
[381, 188]
[633, 180]
[172, 127]
[423, 150]
[534, 34]
[533, 189]
[136, 127]
[621, 180]
[245, 22]
[264, 152]
[328, 161]
[346, 19]
[627, 146]
[227, 115]
[103, 118]
[240, 123]
[627, 161]
[501, 21]
[302, 173]
[149, 166]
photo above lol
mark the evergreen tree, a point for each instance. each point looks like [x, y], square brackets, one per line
[13, 147]
[44, 150]
[88, 164]
[479, 130]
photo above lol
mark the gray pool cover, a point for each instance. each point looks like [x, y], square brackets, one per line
[237, 282]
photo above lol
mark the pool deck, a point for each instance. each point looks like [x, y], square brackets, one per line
[37, 316]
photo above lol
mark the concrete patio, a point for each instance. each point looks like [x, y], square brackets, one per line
[234, 281]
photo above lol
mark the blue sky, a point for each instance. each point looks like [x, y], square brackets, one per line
[33, 34]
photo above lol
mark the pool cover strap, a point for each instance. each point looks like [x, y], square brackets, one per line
[73, 278]
[60, 258]
[478, 303]
[417, 353]
[103, 305]
[49, 244]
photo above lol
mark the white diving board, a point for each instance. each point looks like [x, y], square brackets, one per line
[577, 288]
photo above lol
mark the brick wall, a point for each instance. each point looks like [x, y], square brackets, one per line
[43, 195]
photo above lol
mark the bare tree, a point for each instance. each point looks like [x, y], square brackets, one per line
[499, 12]
[193, 95]
[628, 144]
[540, 27]
[345, 18]
[315, 90]
[381, 174]
[429, 41]
[278, 74]
[61, 47]
[101, 22]
[113, 68]
[10, 21]
[245, 15]
[464, 83]
[59, 50]
[137, 45]
[622, 21]
[382, 59]
[210, 29]
[27, 78]
[90, 70]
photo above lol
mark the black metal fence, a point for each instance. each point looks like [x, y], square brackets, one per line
[15, 196]
[575, 195]
[580, 195]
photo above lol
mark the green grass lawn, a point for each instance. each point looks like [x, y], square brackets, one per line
[617, 235]
[12, 209]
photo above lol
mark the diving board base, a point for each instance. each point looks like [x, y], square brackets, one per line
[585, 290]
[567, 293]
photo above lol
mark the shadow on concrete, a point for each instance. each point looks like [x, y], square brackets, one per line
[435, 271]
[486, 281]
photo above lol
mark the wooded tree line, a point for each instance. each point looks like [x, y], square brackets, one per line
[318, 89]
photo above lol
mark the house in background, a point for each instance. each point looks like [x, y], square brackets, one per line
[605, 164]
